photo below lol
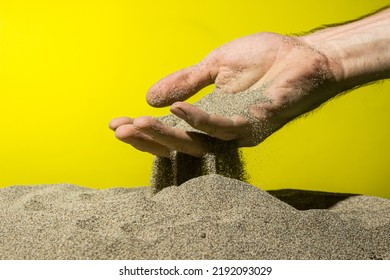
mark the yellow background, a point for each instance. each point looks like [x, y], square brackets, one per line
[68, 67]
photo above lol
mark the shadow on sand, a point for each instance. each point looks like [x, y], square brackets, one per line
[305, 200]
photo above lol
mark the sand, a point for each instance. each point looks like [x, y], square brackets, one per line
[224, 157]
[208, 217]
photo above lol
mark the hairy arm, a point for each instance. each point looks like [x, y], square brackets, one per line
[361, 49]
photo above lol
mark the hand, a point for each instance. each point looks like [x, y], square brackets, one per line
[293, 77]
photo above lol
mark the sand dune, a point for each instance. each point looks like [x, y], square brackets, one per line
[209, 217]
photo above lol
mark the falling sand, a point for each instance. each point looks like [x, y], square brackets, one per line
[223, 157]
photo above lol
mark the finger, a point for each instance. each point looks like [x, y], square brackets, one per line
[181, 85]
[173, 138]
[128, 134]
[117, 122]
[221, 127]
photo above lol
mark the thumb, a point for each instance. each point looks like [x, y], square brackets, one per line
[180, 85]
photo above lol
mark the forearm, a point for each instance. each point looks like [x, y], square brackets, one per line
[360, 51]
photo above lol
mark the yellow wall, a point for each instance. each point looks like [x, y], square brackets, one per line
[68, 67]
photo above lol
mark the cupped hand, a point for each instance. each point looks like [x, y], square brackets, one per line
[292, 77]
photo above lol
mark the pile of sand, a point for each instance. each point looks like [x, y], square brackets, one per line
[209, 217]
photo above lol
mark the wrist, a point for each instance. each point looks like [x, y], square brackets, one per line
[358, 52]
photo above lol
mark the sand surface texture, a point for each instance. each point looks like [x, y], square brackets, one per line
[209, 217]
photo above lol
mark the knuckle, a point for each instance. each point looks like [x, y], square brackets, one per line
[204, 125]
[198, 123]
[144, 122]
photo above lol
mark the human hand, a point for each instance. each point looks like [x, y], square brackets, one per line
[285, 76]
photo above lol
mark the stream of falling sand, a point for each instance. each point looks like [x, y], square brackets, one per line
[224, 157]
